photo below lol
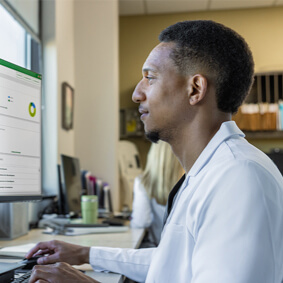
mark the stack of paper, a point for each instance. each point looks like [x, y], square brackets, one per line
[16, 251]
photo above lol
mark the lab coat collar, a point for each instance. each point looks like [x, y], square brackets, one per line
[226, 131]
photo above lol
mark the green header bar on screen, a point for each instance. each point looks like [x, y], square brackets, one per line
[20, 69]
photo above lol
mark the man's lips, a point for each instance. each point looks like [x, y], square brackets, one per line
[143, 112]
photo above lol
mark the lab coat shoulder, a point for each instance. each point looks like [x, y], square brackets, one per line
[235, 209]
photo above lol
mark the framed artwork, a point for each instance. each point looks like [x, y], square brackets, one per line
[67, 106]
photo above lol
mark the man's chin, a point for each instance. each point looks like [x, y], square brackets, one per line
[152, 136]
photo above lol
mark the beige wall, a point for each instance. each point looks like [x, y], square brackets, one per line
[97, 90]
[262, 29]
[66, 69]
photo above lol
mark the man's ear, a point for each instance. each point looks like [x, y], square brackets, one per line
[197, 88]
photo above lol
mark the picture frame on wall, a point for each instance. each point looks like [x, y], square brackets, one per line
[67, 106]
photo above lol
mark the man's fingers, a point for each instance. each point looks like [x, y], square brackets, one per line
[59, 272]
[48, 259]
[37, 248]
[42, 252]
[39, 272]
[41, 247]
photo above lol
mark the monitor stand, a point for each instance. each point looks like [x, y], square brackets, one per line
[13, 220]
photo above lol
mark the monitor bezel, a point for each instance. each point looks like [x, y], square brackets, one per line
[18, 198]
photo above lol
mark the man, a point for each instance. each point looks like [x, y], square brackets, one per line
[224, 219]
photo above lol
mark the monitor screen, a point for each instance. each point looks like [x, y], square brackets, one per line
[71, 185]
[20, 133]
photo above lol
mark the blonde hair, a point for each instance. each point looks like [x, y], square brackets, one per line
[161, 173]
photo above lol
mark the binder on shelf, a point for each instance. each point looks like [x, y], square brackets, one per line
[107, 198]
[263, 106]
[83, 180]
[91, 185]
[99, 187]
[280, 119]
[258, 117]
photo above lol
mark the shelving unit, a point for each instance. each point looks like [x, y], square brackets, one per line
[130, 124]
[264, 135]
[266, 92]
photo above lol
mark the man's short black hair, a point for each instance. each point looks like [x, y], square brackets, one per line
[217, 52]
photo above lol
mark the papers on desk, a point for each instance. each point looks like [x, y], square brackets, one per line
[16, 251]
[75, 231]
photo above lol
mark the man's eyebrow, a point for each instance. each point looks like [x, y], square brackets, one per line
[144, 70]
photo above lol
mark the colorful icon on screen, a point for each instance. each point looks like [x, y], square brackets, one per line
[32, 109]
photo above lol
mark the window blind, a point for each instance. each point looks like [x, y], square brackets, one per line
[26, 12]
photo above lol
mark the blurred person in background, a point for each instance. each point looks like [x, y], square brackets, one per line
[151, 190]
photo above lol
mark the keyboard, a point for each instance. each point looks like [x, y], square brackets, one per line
[24, 278]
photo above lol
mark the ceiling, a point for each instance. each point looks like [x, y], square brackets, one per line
[148, 7]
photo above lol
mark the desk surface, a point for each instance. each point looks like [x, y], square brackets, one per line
[129, 239]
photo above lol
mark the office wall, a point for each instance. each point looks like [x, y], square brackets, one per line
[97, 89]
[262, 29]
[80, 46]
[65, 69]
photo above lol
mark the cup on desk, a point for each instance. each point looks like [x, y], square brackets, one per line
[89, 206]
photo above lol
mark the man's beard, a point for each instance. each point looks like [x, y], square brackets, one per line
[153, 136]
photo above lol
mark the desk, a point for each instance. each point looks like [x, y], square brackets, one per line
[130, 239]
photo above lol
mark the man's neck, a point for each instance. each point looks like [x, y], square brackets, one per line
[190, 141]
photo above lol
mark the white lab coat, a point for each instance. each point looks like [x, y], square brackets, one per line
[226, 224]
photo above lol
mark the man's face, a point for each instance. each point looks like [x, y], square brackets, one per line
[162, 94]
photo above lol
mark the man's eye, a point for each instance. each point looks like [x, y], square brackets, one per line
[149, 78]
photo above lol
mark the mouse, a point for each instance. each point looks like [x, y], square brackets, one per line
[31, 262]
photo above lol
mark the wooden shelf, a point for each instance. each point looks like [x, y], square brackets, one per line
[264, 134]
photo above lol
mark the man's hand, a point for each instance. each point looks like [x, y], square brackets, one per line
[58, 273]
[58, 251]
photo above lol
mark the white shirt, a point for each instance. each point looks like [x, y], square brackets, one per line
[226, 224]
[147, 213]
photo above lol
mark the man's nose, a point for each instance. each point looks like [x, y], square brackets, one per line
[138, 95]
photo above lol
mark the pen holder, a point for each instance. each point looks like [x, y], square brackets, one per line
[89, 206]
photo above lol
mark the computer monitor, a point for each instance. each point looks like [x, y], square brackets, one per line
[20, 133]
[71, 185]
